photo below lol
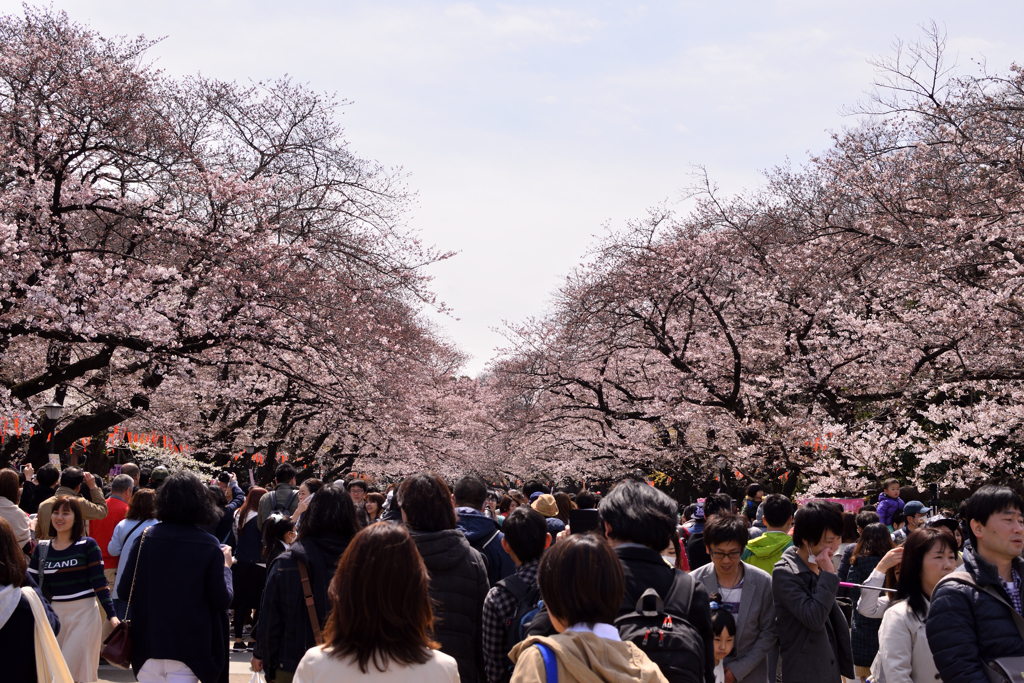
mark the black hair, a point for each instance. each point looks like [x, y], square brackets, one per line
[753, 489]
[581, 580]
[812, 521]
[144, 476]
[875, 541]
[889, 482]
[725, 528]
[47, 475]
[331, 511]
[184, 499]
[224, 477]
[217, 495]
[357, 484]
[717, 504]
[426, 501]
[72, 477]
[851, 532]
[470, 491]
[284, 473]
[897, 518]
[865, 517]
[526, 532]
[639, 513]
[533, 486]
[777, 510]
[918, 544]
[689, 511]
[721, 618]
[585, 500]
[275, 529]
[988, 501]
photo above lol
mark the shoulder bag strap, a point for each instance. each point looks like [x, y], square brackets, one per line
[44, 550]
[307, 593]
[129, 534]
[135, 572]
[550, 663]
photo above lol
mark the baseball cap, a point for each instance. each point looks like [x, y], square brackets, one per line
[915, 507]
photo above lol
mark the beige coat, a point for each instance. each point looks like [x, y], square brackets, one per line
[584, 658]
[17, 519]
[317, 666]
[96, 509]
[903, 654]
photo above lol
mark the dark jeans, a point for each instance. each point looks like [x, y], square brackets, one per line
[248, 579]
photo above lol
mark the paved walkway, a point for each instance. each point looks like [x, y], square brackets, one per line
[240, 672]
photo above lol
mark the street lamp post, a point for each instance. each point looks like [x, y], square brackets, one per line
[53, 413]
[720, 463]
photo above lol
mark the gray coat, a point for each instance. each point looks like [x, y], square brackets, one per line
[814, 638]
[755, 623]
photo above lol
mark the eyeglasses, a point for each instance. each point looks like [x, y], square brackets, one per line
[734, 555]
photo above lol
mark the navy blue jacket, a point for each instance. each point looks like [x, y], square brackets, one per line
[179, 609]
[967, 627]
[249, 546]
[479, 530]
[284, 632]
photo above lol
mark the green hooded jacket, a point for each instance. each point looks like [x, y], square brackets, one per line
[765, 550]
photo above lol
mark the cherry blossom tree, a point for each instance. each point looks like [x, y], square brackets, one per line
[199, 259]
[854, 319]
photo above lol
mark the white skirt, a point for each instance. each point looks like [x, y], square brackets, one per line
[79, 637]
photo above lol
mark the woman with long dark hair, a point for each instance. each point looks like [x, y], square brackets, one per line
[458, 574]
[140, 516]
[381, 619]
[249, 573]
[872, 546]
[178, 582]
[285, 629]
[928, 555]
[69, 569]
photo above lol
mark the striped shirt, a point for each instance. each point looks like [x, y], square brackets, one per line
[75, 573]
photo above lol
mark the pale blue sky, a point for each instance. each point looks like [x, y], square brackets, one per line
[526, 127]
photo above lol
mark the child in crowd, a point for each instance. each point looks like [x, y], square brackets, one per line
[723, 625]
[889, 501]
[278, 536]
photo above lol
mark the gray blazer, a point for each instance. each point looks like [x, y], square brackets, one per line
[755, 623]
[814, 638]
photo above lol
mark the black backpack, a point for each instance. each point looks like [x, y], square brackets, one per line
[286, 508]
[528, 603]
[665, 634]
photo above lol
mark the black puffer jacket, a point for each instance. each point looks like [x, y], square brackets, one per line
[967, 627]
[458, 586]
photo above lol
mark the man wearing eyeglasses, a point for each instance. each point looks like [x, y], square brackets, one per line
[746, 592]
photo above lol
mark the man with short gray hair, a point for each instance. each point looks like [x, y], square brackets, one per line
[102, 530]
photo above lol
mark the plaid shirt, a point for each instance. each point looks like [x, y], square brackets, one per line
[499, 609]
[1012, 589]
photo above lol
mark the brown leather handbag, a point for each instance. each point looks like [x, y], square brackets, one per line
[117, 648]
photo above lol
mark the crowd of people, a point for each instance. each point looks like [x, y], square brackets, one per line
[430, 582]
